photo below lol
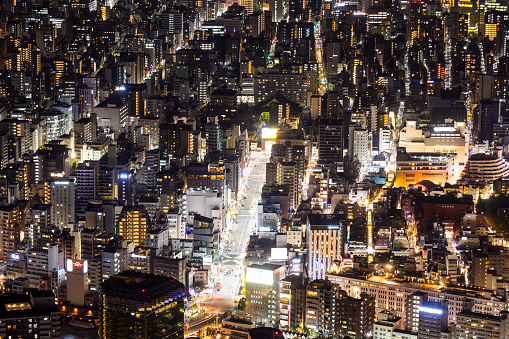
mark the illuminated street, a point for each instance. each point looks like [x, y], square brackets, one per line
[223, 292]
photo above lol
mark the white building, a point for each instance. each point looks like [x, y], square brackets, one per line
[62, 193]
[389, 294]
[41, 261]
[66, 110]
[114, 261]
[176, 227]
[157, 239]
[112, 115]
[140, 260]
[326, 242]
[384, 140]
[358, 144]
[268, 218]
[237, 325]
[55, 124]
[207, 203]
[262, 292]
[57, 277]
[389, 326]
[446, 139]
[77, 281]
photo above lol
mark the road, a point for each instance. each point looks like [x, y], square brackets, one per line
[232, 256]
[231, 263]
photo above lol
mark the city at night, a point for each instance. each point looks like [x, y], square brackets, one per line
[254, 169]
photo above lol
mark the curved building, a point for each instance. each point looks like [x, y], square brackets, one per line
[485, 168]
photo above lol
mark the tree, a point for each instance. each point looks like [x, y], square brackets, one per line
[242, 304]
[198, 286]
[259, 324]
[74, 165]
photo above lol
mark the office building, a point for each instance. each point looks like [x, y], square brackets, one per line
[412, 168]
[389, 325]
[326, 242]
[330, 141]
[262, 292]
[358, 144]
[433, 320]
[355, 316]
[389, 295]
[41, 261]
[86, 188]
[489, 114]
[62, 193]
[112, 115]
[321, 306]
[125, 181]
[136, 304]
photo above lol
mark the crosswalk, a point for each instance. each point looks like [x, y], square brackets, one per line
[233, 259]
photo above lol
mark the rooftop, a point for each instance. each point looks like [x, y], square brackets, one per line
[141, 286]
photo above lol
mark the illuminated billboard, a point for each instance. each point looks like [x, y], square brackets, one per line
[77, 266]
[430, 310]
[259, 276]
[269, 133]
[278, 253]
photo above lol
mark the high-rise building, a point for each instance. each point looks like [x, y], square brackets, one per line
[248, 5]
[262, 292]
[288, 175]
[478, 269]
[133, 222]
[171, 22]
[41, 220]
[41, 261]
[86, 188]
[326, 242]
[152, 167]
[358, 144]
[321, 303]
[106, 183]
[489, 114]
[355, 316]
[214, 135]
[112, 114]
[433, 320]
[330, 141]
[176, 140]
[10, 229]
[62, 193]
[143, 305]
[412, 304]
[292, 302]
[125, 186]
